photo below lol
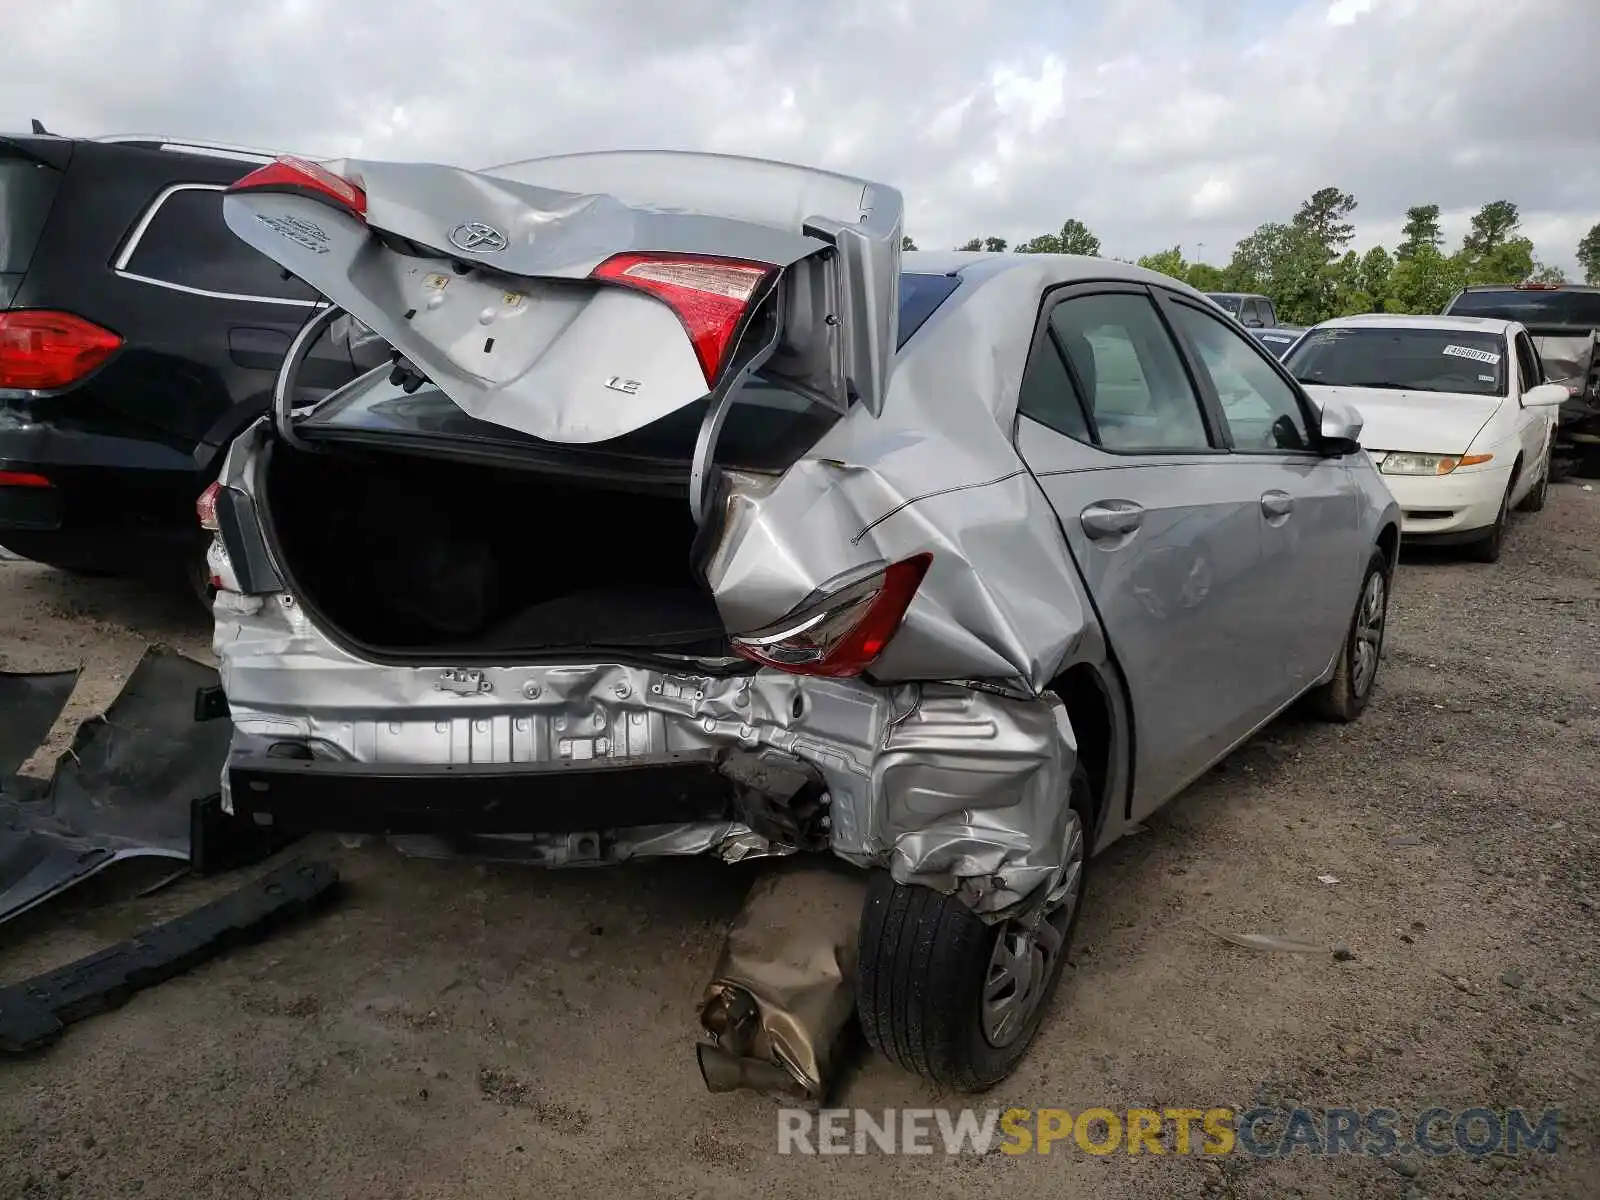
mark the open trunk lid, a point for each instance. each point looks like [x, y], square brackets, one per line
[534, 295]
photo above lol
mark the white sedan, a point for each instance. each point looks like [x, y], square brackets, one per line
[1457, 416]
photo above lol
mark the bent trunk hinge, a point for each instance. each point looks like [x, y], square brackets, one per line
[283, 386]
[722, 400]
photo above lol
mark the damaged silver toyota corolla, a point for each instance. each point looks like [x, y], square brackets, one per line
[691, 518]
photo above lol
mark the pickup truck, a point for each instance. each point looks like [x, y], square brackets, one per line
[1256, 313]
[1564, 321]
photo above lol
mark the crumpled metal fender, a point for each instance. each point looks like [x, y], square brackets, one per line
[936, 471]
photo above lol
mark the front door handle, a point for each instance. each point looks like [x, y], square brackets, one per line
[1109, 520]
[1277, 505]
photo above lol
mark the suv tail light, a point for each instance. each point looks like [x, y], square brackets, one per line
[41, 350]
[710, 295]
[27, 479]
[206, 508]
[298, 176]
[843, 634]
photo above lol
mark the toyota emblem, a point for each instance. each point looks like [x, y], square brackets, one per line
[477, 238]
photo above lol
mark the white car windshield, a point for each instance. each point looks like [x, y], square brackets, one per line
[1415, 360]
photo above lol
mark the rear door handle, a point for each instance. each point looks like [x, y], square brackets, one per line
[1277, 504]
[1108, 520]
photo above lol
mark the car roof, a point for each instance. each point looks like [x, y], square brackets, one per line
[1420, 321]
[1053, 269]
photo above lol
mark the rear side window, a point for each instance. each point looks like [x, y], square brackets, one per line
[920, 297]
[27, 189]
[1529, 306]
[1132, 391]
[187, 245]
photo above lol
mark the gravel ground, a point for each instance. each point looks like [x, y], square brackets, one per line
[454, 1029]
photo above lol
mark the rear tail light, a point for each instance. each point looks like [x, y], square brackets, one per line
[25, 479]
[845, 633]
[299, 176]
[41, 350]
[710, 295]
[206, 508]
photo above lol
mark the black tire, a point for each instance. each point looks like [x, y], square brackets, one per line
[1534, 501]
[197, 574]
[925, 961]
[1487, 548]
[1344, 697]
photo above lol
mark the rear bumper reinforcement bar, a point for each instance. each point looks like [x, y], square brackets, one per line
[564, 796]
[35, 1012]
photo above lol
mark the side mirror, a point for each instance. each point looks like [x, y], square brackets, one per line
[1546, 395]
[1340, 428]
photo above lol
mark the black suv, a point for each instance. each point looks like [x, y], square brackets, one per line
[138, 335]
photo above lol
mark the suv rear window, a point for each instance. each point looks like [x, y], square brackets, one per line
[188, 245]
[1566, 306]
[26, 191]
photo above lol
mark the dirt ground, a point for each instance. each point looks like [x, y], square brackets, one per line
[453, 1029]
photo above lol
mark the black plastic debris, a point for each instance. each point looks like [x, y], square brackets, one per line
[29, 706]
[132, 773]
[34, 1013]
[139, 782]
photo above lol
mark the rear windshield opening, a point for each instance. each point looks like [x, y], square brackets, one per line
[1419, 360]
[767, 430]
[1532, 307]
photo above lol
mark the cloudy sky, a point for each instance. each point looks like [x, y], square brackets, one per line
[1155, 121]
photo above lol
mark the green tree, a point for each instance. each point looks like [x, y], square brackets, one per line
[1544, 273]
[1204, 277]
[1323, 218]
[971, 244]
[1286, 264]
[1377, 268]
[1589, 254]
[1074, 238]
[906, 243]
[1349, 297]
[1425, 282]
[1168, 262]
[994, 245]
[1511, 261]
[1421, 229]
[1492, 227]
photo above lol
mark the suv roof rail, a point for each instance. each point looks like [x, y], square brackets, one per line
[182, 145]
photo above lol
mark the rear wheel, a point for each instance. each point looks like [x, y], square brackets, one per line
[1344, 697]
[956, 1000]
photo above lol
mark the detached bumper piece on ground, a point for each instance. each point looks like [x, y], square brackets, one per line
[783, 996]
[34, 1013]
[139, 782]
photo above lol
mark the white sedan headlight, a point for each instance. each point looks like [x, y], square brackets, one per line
[1429, 464]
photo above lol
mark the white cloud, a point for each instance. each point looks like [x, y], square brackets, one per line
[1155, 121]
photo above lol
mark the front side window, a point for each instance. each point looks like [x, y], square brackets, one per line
[187, 244]
[1123, 364]
[1528, 363]
[1396, 358]
[1262, 410]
